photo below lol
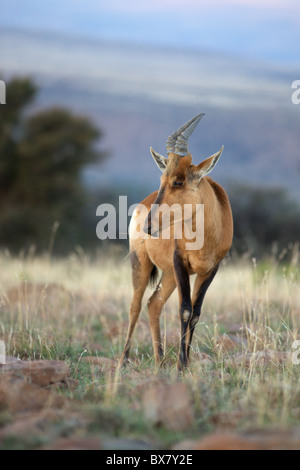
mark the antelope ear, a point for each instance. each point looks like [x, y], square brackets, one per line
[208, 165]
[160, 161]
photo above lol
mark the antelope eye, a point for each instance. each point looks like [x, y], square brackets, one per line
[178, 183]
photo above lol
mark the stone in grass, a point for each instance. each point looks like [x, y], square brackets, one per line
[41, 373]
[74, 443]
[31, 423]
[218, 441]
[168, 405]
[264, 440]
[123, 443]
[44, 426]
[17, 395]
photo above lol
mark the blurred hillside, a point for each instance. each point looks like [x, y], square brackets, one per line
[139, 94]
[134, 96]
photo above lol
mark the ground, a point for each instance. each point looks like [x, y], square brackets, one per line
[242, 383]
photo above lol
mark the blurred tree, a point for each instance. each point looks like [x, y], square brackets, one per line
[19, 94]
[41, 159]
[263, 217]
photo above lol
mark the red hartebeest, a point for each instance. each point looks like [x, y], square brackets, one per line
[181, 183]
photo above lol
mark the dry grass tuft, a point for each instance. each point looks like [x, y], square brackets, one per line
[241, 375]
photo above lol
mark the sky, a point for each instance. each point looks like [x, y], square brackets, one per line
[266, 29]
[218, 56]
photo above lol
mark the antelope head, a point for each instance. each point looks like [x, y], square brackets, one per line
[180, 179]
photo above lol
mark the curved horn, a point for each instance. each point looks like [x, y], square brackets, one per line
[178, 142]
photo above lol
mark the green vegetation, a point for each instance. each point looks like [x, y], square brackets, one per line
[42, 155]
[70, 309]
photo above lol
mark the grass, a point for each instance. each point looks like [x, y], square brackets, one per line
[76, 307]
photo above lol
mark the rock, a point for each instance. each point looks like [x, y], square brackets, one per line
[40, 427]
[9, 360]
[30, 424]
[68, 384]
[289, 440]
[168, 405]
[41, 373]
[219, 442]
[44, 373]
[18, 395]
[75, 443]
[126, 444]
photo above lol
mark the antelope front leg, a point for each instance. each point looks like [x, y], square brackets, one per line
[185, 305]
[200, 288]
[155, 304]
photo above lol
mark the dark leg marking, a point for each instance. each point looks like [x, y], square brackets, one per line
[183, 282]
[198, 305]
